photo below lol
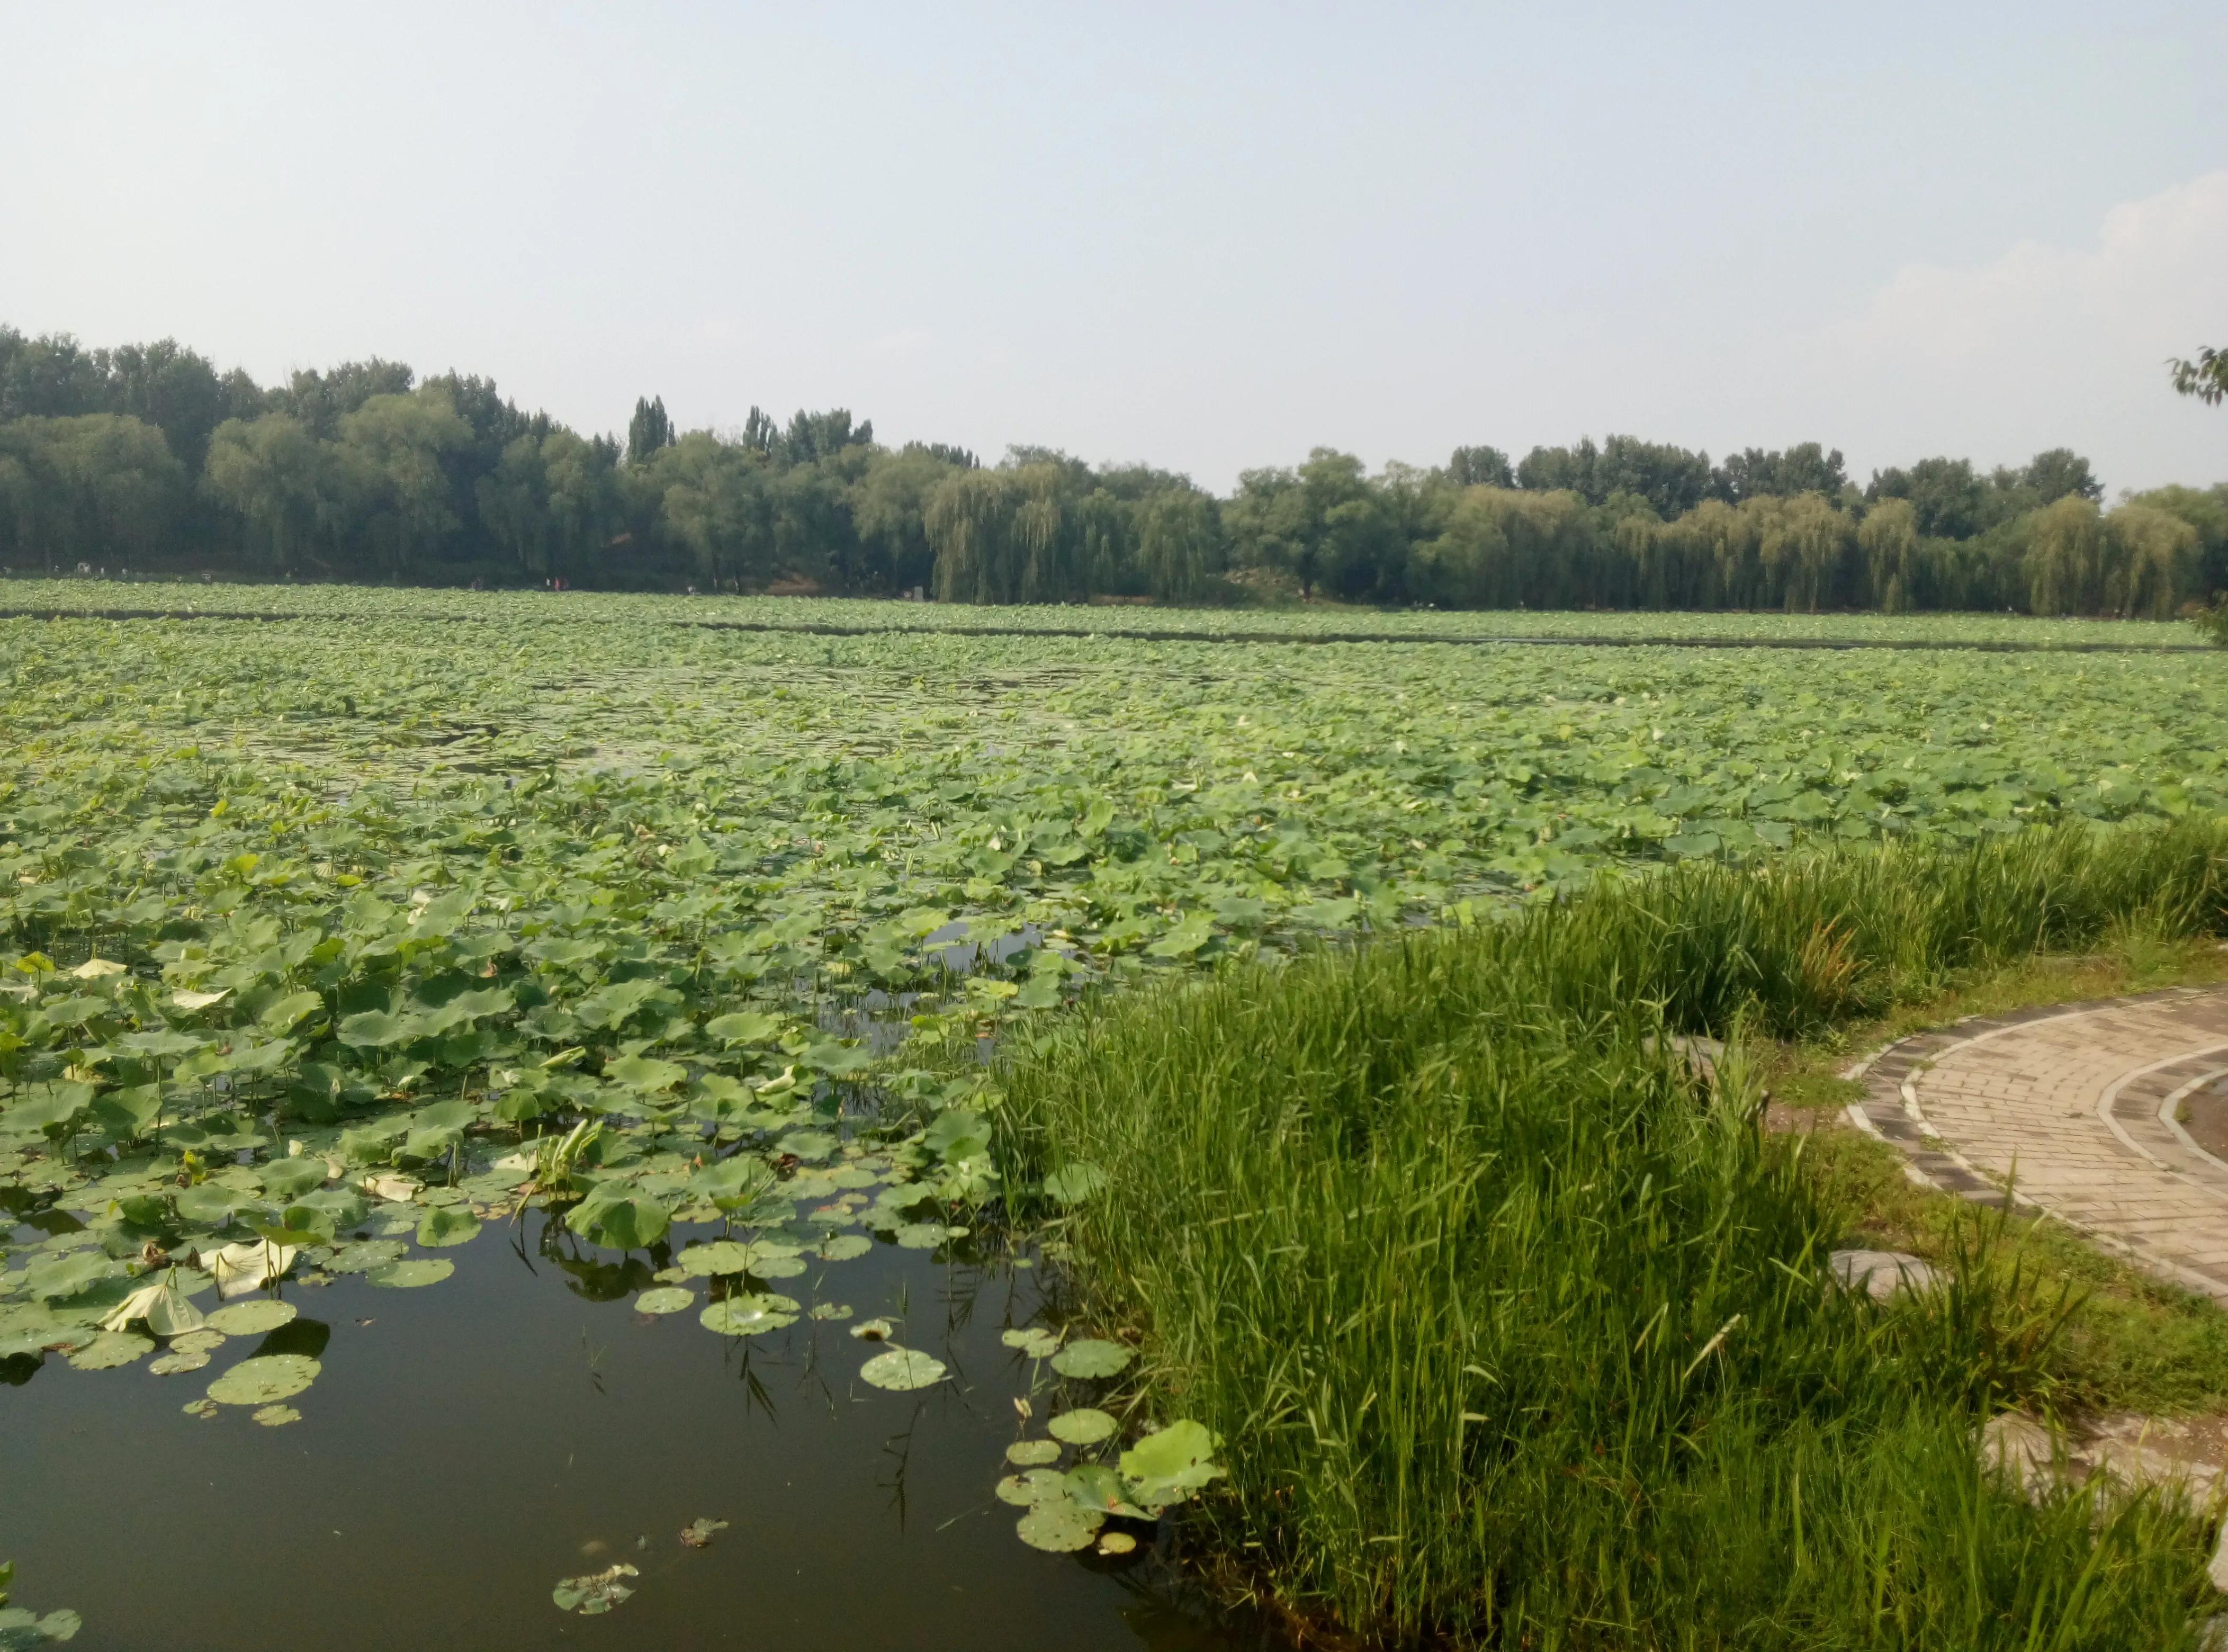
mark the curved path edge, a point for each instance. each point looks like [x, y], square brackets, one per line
[2073, 1111]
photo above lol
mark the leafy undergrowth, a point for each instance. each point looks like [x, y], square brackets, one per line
[1516, 1333]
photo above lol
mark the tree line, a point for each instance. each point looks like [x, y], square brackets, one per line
[146, 457]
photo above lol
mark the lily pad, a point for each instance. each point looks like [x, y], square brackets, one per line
[920, 1236]
[1170, 1466]
[252, 1318]
[831, 1310]
[873, 1330]
[1031, 1454]
[1060, 1527]
[447, 1225]
[174, 1363]
[204, 1407]
[204, 1340]
[748, 1315]
[843, 1247]
[275, 1416]
[902, 1370]
[408, 1276]
[1082, 1426]
[1028, 1490]
[109, 1349]
[721, 1256]
[364, 1255]
[1090, 1357]
[1036, 1341]
[666, 1299]
[1116, 1543]
[598, 1592]
[264, 1379]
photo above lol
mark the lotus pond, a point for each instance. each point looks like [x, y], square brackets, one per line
[485, 1112]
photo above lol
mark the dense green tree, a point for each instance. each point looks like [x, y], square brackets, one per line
[1476, 467]
[649, 432]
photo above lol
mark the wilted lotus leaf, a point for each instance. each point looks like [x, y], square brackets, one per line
[109, 1350]
[1036, 1341]
[240, 1269]
[1059, 1527]
[831, 1310]
[408, 1276]
[598, 1592]
[721, 1256]
[666, 1299]
[401, 1189]
[1082, 1426]
[748, 1315]
[1091, 1358]
[902, 1369]
[177, 1361]
[873, 1330]
[363, 1255]
[264, 1379]
[1031, 1454]
[275, 1416]
[252, 1318]
[443, 1226]
[192, 1001]
[698, 1532]
[94, 969]
[162, 1303]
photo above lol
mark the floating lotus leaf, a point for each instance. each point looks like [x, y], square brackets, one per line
[275, 1416]
[1030, 1454]
[1082, 1426]
[698, 1532]
[361, 1256]
[406, 1275]
[1090, 1357]
[748, 1315]
[252, 1318]
[596, 1592]
[202, 1407]
[902, 1369]
[109, 1350]
[1170, 1466]
[666, 1299]
[21, 1629]
[174, 1363]
[831, 1310]
[852, 1175]
[264, 1379]
[436, 1197]
[286, 1180]
[721, 1256]
[807, 1144]
[1036, 1341]
[1037, 1485]
[444, 1226]
[1059, 1527]
[920, 1236]
[843, 1247]
[204, 1340]
[873, 1330]
[1116, 1543]
[1097, 1486]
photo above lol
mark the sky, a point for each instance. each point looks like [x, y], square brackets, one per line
[1207, 236]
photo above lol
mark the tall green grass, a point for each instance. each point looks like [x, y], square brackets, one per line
[1513, 1333]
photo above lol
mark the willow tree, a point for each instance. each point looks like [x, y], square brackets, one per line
[1888, 537]
[2063, 560]
[273, 472]
[1178, 543]
[969, 523]
[2157, 562]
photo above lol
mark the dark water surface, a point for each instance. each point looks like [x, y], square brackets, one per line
[470, 1442]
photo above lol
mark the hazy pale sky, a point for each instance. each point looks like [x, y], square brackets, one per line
[1210, 236]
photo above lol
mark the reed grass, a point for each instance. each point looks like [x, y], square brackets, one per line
[1517, 1334]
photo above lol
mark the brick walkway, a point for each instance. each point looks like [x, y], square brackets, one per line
[2079, 1105]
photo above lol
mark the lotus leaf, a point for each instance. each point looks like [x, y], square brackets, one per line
[807, 1144]
[743, 1027]
[418, 1271]
[109, 1349]
[1029, 1454]
[203, 1340]
[697, 1533]
[596, 1592]
[1116, 1543]
[1059, 1527]
[66, 1275]
[177, 1361]
[264, 1379]
[721, 1256]
[1089, 1357]
[920, 1236]
[902, 1369]
[252, 1318]
[361, 1256]
[1083, 1426]
[874, 1330]
[289, 1179]
[1097, 1486]
[443, 1226]
[749, 1315]
[275, 1416]
[21, 1630]
[666, 1299]
[1034, 1340]
[162, 1303]
[611, 1216]
[1027, 1489]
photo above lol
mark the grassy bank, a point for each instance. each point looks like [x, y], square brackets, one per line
[1514, 1333]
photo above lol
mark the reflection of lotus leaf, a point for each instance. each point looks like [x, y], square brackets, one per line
[251, 1318]
[275, 1416]
[364, 1255]
[721, 1256]
[748, 1315]
[666, 1299]
[902, 1369]
[1059, 1527]
[1083, 1426]
[419, 1270]
[109, 1350]
[1091, 1358]
[447, 1226]
[598, 1592]
[262, 1380]
[1031, 1454]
